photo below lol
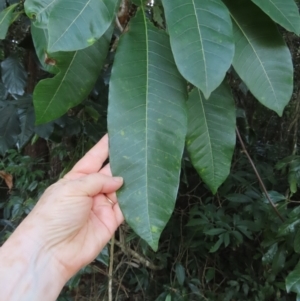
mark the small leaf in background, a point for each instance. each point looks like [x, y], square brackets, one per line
[209, 275]
[14, 75]
[226, 238]
[214, 231]
[297, 241]
[274, 196]
[44, 130]
[147, 127]
[292, 281]
[75, 25]
[279, 260]
[39, 11]
[283, 12]
[157, 15]
[201, 41]
[216, 246]
[103, 257]
[77, 75]
[9, 126]
[180, 273]
[8, 179]
[211, 134]
[168, 298]
[262, 59]
[3, 92]
[238, 198]
[27, 119]
[6, 17]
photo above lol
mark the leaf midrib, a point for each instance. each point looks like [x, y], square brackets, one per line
[8, 11]
[75, 19]
[202, 45]
[146, 118]
[263, 67]
[43, 9]
[61, 83]
[282, 14]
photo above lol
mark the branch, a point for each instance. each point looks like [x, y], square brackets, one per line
[257, 174]
[139, 257]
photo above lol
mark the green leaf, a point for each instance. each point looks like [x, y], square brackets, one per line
[6, 17]
[279, 260]
[157, 15]
[180, 274]
[211, 134]
[9, 126]
[27, 119]
[3, 92]
[78, 73]
[147, 127]
[214, 231]
[217, 245]
[40, 41]
[39, 11]
[209, 275]
[44, 130]
[201, 40]
[238, 198]
[14, 76]
[262, 59]
[74, 25]
[297, 242]
[283, 12]
[226, 239]
[292, 281]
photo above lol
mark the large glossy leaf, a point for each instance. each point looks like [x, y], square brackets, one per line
[6, 17]
[262, 58]
[14, 76]
[39, 11]
[9, 126]
[75, 25]
[201, 40]
[284, 12]
[78, 73]
[211, 134]
[147, 127]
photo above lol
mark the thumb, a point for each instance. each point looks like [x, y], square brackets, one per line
[96, 183]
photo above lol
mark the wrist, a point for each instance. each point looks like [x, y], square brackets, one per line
[28, 270]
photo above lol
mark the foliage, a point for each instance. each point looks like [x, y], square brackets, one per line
[177, 76]
[148, 90]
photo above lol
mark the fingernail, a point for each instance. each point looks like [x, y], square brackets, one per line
[118, 179]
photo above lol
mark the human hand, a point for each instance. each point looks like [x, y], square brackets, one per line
[74, 219]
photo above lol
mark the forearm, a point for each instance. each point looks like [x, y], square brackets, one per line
[28, 272]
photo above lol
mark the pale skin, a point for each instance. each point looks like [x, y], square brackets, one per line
[71, 223]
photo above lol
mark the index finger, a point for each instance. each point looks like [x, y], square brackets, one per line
[93, 159]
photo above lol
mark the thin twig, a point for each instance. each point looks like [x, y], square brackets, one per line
[111, 266]
[295, 138]
[98, 270]
[257, 174]
[139, 257]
